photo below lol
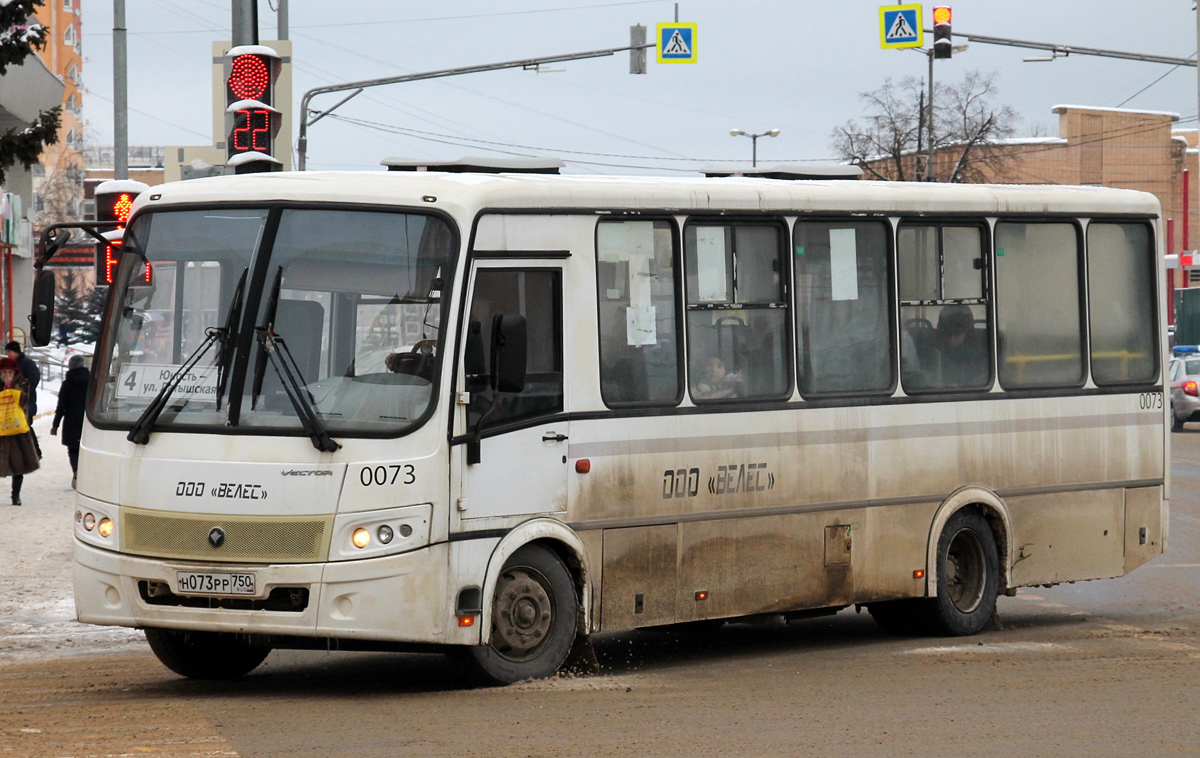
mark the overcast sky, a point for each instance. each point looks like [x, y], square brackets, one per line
[794, 65]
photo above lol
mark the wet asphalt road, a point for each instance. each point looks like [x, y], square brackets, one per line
[1107, 668]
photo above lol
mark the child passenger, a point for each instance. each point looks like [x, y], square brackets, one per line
[716, 382]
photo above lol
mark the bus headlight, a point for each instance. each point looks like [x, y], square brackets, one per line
[89, 522]
[105, 527]
[374, 534]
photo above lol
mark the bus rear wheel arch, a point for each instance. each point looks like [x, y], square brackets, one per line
[967, 567]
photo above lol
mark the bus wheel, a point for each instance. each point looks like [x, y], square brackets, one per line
[205, 655]
[534, 613]
[968, 567]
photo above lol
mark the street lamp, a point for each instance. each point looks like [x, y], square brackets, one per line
[754, 139]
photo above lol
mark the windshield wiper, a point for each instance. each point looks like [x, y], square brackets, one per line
[260, 365]
[273, 346]
[140, 433]
[225, 359]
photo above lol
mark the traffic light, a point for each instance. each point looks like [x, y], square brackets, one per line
[114, 201]
[251, 120]
[941, 32]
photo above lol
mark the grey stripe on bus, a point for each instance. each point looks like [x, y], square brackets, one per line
[858, 435]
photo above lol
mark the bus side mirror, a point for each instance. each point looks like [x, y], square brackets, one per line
[41, 318]
[508, 353]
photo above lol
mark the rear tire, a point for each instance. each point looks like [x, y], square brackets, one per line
[534, 616]
[968, 572]
[1176, 422]
[205, 655]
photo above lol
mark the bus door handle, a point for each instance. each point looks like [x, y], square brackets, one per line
[553, 437]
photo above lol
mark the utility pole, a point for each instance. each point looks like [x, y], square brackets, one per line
[245, 22]
[120, 94]
[929, 161]
[281, 20]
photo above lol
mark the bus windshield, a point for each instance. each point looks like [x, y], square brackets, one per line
[348, 302]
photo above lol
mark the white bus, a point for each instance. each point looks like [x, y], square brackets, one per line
[494, 414]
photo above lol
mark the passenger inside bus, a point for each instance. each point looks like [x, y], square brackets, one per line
[717, 382]
[962, 347]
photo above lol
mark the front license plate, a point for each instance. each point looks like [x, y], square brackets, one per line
[208, 583]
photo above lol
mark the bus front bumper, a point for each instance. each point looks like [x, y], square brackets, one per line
[397, 598]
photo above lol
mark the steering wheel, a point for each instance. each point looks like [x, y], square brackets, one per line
[424, 347]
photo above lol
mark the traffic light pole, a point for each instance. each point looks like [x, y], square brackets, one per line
[1065, 50]
[529, 63]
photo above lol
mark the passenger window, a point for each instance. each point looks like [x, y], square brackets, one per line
[737, 322]
[944, 335]
[1121, 303]
[1039, 324]
[843, 307]
[636, 288]
[535, 294]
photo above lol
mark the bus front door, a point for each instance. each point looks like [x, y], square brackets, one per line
[520, 461]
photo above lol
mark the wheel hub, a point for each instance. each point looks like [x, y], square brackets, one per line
[966, 571]
[524, 613]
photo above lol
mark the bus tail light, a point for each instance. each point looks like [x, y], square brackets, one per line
[583, 466]
[1190, 388]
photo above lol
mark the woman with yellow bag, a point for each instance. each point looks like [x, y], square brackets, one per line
[18, 456]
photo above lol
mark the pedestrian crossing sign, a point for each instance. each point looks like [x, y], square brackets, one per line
[900, 26]
[676, 43]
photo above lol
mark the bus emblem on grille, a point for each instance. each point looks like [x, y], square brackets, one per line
[216, 537]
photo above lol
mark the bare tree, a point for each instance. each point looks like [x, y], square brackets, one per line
[889, 142]
[60, 193]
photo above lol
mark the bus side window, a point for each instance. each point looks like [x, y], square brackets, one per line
[737, 311]
[844, 307]
[535, 294]
[1121, 302]
[943, 307]
[636, 270]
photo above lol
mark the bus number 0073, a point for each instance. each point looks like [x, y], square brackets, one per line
[393, 474]
[1150, 401]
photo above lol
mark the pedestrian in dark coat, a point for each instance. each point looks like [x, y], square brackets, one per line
[18, 456]
[29, 369]
[72, 397]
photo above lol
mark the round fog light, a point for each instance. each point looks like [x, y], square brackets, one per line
[361, 538]
[405, 530]
[89, 522]
[105, 527]
[384, 533]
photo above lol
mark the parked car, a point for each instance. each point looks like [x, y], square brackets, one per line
[1184, 373]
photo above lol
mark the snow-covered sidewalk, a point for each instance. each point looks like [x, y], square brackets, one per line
[37, 610]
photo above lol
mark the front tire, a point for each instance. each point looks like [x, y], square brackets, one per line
[205, 655]
[534, 617]
[968, 571]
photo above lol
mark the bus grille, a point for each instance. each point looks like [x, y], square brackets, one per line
[246, 538]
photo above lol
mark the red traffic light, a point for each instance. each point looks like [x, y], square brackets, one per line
[249, 77]
[122, 206]
[941, 15]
